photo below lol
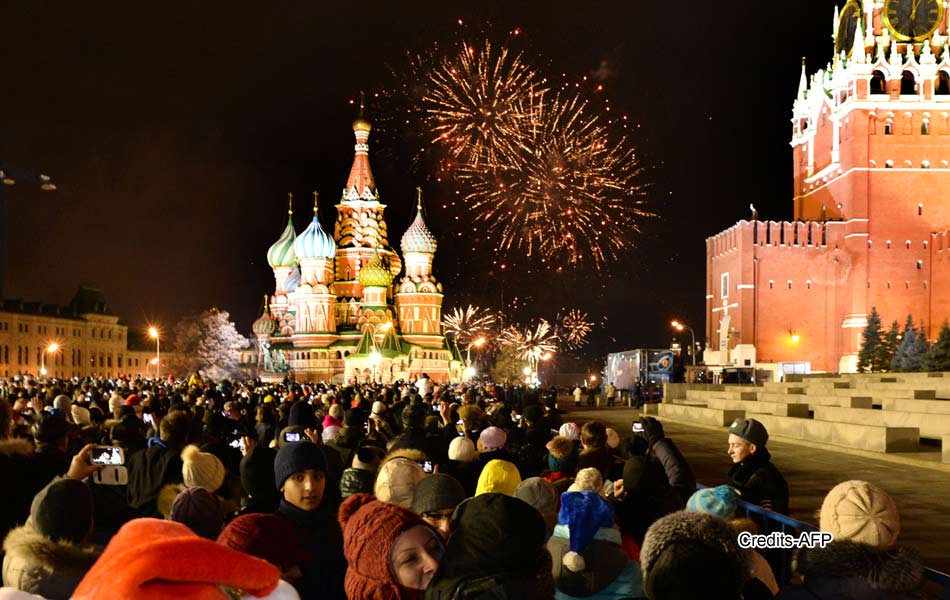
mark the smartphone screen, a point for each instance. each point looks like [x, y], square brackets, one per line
[426, 466]
[292, 436]
[106, 455]
[637, 427]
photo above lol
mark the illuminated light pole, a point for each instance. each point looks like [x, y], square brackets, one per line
[692, 336]
[53, 347]
[468, 351]
[153, 333]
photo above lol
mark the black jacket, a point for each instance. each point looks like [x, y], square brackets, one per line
[846, 570]
[150, 470]
[758, 481]
[678, 472]
[320, 534]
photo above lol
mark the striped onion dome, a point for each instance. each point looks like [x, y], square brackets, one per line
[418, 238]
[314, 242]
[375, 274]
[281, 253]
[264, 325]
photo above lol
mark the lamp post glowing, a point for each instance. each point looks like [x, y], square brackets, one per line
[53, 347]
[692, 336]
[468, 351]
[153, 333]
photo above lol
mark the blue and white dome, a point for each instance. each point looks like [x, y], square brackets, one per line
[314, 242]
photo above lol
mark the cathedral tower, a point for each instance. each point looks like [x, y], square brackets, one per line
[419, 297]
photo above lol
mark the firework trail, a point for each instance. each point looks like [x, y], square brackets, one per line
[530, 344]
[468, 324]
[574, 328]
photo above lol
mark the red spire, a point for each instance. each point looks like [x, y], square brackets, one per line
[360, 184]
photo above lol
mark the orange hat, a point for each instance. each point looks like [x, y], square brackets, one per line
[133, 400]
[153, 559]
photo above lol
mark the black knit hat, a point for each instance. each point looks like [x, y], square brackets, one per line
[301, 413]
[50, 427]
[296, 457]
[533, 413]
[437, 492]
[750, 430]
[63, 510]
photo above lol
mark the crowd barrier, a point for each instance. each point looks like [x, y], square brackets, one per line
[937, 582]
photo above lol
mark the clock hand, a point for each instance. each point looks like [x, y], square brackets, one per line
[913, 10]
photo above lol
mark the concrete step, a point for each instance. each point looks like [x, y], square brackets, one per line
[945, 448]
[700, 414]
[813, 400]
[932, 426]
[863, 437]
[788, 409]
[703, 395]
[932, 407]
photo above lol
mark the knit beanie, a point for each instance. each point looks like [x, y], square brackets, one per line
[719, 501]
[692, 555]
[201, 469]
[562, 455]
[533, 413]
[301, 413]
[80, 415]
[492, 438]
[200, 510]
[151, 559]
[462, 449]
[613, 438]
[588, 480]
[583, 513]
[115, 401]
[437, 492]
[63, 510]
[336, 411]
[861, 512]
[133, 400]
[397, 480]
[370, 528]
[296, 457]
[379, 408]
[499, 476]
[268, 536]
[570, 430]
[62, 403]
[750, 430]
[329, 433]
[541, 494]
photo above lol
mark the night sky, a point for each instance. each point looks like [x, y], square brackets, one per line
[174, 134]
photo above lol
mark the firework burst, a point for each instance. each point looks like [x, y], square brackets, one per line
[575, 328]
[530, 343]
[469, 323]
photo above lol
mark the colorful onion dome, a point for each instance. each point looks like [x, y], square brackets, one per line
[314, 242]
[281, 253]
[293, 280]
[375, 274]
[418, 238]
[264, 325]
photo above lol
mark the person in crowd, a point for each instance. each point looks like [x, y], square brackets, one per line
[552, 417]
[497, 545]
[270, 537]
[595, 452]
[491, 445]
[720, 501]
[49, 555]
[435, 500]
[642, 497]
[152, 559]
[864, 559]
[586, 551]
[578, 393]
[257, 478]
[543, 496]
[51, 433]
[498, 476]
[757, 480]
[461, 464]
[588, 480]
[158, 465]
[678, 471]
[199, 510]
[561, 461]
[398, 477]
[300, 474]
[391, 552]
[334, 417]
[688, 555]
[610, 394]
[361, 477]
[572, 432]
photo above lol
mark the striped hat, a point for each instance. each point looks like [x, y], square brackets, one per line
[719, 501]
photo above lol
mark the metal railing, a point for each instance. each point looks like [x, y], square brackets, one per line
[937, 582]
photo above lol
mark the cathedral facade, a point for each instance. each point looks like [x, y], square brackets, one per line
[871, 147]
[347, 307]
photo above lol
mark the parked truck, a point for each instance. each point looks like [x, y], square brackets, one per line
[639, 374]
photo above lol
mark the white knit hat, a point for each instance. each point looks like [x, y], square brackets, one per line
[570, 430]
[462, 449]
[397, 480]
[861, 512]
[80, 415]
[588, 480]
[201, 469]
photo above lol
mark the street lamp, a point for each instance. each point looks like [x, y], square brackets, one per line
[153, 333]
[53, 347]
[468, 351]
[692, 336]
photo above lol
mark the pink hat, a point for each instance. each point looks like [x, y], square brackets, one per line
[570, 430]
[492, 438]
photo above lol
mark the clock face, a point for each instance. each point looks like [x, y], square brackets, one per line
[912, 20]
[848, 20]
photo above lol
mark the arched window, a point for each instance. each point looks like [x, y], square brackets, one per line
[908, 84]
[943, 84]
[925, 127]
[888, 127]
[878, 83]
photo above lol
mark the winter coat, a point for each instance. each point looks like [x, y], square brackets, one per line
[678, 472]
[846, 570]
[320, 534]
[598, 458]
[38, 565]
[650, 498]
[758, 480]
[356, 481]
[609, 573]
[20, 483]
[150, 470]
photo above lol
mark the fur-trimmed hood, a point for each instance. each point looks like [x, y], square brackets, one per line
[16, 447]
[410, 453]
[26, 544]
[899, 569]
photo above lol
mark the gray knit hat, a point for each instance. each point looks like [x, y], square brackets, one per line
[437, 492]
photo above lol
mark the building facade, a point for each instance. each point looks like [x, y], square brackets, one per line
[340, 310]
[871, 148]
[82, 339]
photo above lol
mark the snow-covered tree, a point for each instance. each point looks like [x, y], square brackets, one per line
[210, 343]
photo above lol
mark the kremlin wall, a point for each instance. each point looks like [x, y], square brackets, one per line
[871, 166]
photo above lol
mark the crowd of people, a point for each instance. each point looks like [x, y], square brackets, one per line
[117, 488]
